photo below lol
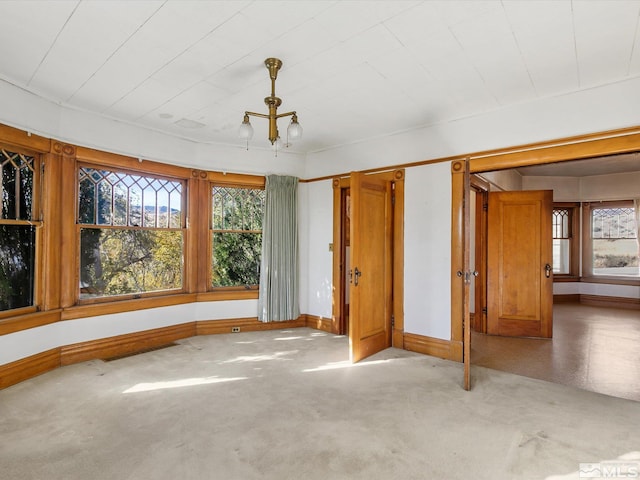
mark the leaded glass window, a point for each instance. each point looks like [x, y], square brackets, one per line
[614, 241]
[562, 235]
[236, 236]
[131, 232]
[18, 222]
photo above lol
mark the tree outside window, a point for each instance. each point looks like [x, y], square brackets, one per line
[236, 236]
[131, 233]
[17, 230]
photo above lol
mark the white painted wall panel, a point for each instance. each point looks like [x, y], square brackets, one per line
[565, 189]
[30, 342]
[319, 258]
[626, 291]
[225, 310]
[427, 251]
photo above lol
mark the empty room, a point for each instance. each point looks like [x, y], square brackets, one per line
[319, 239]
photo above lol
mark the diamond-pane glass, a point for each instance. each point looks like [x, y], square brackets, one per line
[122, 199]
[238, 209]
[237, 236]
[16, 188]
[613, 223]
[561, 223]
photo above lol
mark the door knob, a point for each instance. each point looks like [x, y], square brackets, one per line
[356, 274]
[547, 270]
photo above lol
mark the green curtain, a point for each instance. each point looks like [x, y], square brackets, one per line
[278, 299]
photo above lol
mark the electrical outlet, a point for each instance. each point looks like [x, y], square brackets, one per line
[235, 329]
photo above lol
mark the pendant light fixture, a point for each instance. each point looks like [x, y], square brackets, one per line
[294, 130]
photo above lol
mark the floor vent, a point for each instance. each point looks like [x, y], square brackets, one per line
[145, 350]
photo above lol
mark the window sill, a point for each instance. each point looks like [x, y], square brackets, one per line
[565, 278]
[95, 309]
[15, 321]
[227, 294]
[25, 321]
[612, 280]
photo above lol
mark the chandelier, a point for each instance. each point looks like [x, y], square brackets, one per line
[294, 130]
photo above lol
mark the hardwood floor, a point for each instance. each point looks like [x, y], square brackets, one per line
[592, 348]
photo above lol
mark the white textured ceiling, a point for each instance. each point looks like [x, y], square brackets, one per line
[352, 69]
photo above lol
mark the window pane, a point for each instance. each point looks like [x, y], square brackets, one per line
[561, 256]
[613, 223]
[615, 257]
[122, 199]
[126, 261]
[236, 259]
[560, 223]
[17, 259]
[237, 208]
[237, 236]
[16, 187]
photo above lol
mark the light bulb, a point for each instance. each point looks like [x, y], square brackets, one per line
[245, 131]
[294, 131]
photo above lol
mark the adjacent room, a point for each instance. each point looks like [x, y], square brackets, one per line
[595, 328]
[319, 239]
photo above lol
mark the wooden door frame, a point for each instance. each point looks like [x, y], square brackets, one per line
[567, 149]
[481, 187]
[340, 183]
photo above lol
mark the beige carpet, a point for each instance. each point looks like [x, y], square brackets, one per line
[287, 405]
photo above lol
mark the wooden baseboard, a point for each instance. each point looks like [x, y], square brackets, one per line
[567, 298]
[211, 327]
[25, 368]
[29, 367]
[319, 323]
[435, 347]
[124, 344]
[610, 302]
[599, 301]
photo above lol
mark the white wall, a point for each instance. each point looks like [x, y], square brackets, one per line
[503, 180]
[319, 235]
[565, 189]
[610, 187]
[15, 346]
[617, 186]
[427, 251]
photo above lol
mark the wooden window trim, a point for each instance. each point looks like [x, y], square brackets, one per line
[587, 246]
[574, 244]
[23, 148]
[230, 180]
[121, 164]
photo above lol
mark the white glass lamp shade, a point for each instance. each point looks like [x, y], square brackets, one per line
[245, 131]
[294, 131]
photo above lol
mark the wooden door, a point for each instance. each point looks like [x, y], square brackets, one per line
[519, 259]
[371, 266]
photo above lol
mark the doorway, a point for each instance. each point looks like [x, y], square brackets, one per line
[575, 148]
[349, 233]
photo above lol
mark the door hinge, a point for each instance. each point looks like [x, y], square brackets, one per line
[393, 321]
[393, 199]
[484, 310]
[485, 207]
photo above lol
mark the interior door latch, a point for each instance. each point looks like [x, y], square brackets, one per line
[356, 274]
